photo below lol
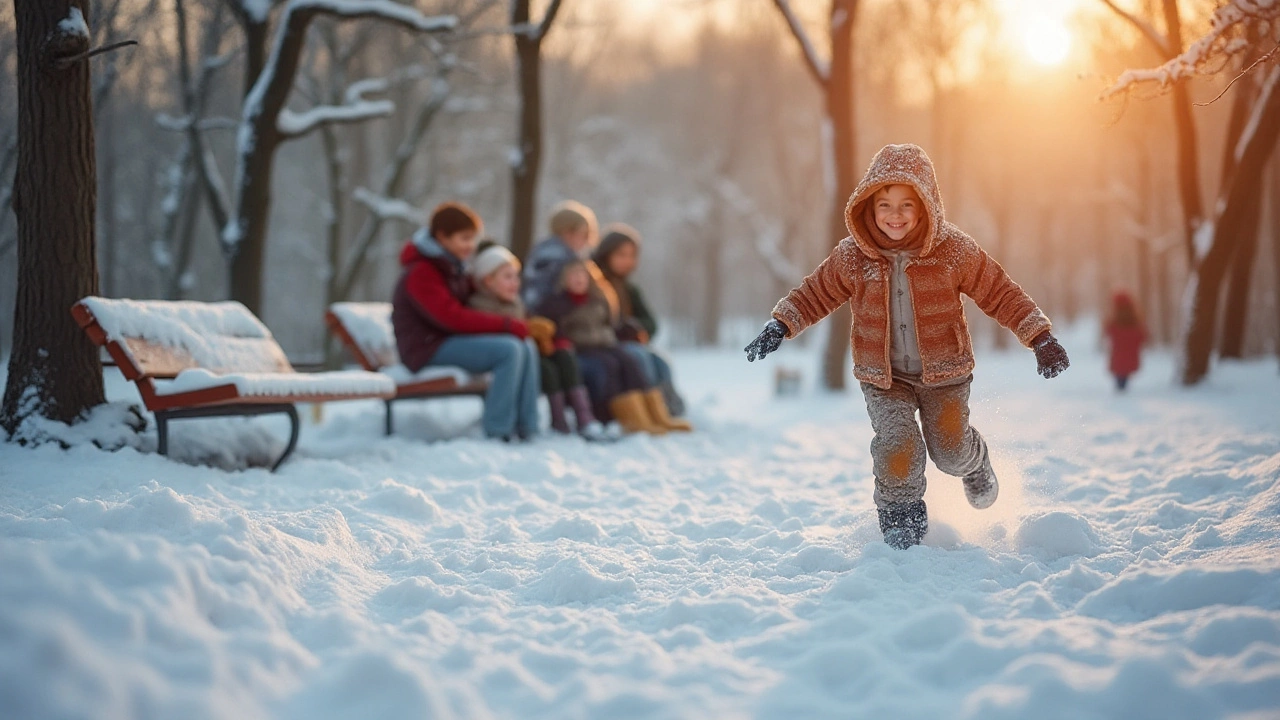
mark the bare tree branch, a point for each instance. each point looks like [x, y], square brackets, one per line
[818, 67]
[392, 181]
[1158, 41]
[544, 27]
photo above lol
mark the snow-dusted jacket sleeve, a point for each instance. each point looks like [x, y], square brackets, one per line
[997, 295]
[827, 288]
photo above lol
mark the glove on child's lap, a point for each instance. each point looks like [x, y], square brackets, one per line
[769, 340]
[1051, 358]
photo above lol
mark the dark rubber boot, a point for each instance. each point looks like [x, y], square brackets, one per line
[904, 524]
[981, 488]
[559, 422]
[675, 403]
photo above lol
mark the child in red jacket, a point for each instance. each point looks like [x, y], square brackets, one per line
[1126, 334]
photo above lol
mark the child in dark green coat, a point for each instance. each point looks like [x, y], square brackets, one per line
[617, 256]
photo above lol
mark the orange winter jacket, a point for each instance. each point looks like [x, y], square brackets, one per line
[950, 263]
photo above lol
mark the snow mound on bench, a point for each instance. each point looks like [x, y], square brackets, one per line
[283, 385]
[369, 324]
[219, 336]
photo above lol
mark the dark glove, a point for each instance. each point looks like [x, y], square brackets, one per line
[1051, 359]
[767, 341]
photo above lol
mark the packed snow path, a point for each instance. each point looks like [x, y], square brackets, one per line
[1130, 569]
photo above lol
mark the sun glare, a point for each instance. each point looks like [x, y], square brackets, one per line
[1046, 40]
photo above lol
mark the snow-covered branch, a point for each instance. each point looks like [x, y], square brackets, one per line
[820, 69]
[1146, 28]
[768, 237]
[293, 125]
[385, 208]
[1225, 38]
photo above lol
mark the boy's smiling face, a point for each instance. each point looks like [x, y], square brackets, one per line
[898, 210]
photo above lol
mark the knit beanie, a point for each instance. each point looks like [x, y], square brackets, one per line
[490, 259]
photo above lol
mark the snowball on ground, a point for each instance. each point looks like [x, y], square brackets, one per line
[284, 385]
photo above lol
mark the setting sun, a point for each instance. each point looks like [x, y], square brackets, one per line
[1046, 40]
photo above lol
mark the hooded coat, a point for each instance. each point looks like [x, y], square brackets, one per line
[430, 303]
[948, 264]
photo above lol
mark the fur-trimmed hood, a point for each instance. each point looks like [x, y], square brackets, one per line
[898, 165]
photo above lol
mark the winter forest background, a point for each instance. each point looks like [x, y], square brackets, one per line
[698, 122]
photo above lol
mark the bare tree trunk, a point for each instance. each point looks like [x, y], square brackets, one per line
[1187, 145]
[107, 216]
[1235, 313]
[1236, 305]
[526, 161]
[1144, 259]
[840, 111]
[245, 236]
[1273, 201]
[1236, 203]
[53, 370]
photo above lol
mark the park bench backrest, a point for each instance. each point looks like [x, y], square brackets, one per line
[365, 328]
[160, 338]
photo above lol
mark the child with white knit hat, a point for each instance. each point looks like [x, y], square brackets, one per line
[496, 272]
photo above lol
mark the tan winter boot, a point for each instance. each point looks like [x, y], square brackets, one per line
[657, 407]
[630, 411]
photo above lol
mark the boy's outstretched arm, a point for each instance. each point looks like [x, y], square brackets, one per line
[826, 289]
[1007, 303]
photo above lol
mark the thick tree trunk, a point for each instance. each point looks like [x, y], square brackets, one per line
[1187, 145]
[54, 370]
[1235, 313]
[1235, 203]
[1236, 309]
[1273, 201]
[526, 160]
[844, 138]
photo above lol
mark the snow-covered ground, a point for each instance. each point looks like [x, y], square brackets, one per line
[1131, 568]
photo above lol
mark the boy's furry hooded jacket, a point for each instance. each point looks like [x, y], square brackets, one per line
[949, 263]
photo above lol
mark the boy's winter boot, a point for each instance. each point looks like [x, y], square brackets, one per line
[588, 426]
[559, 422]
[657, 407]
[904, 523]
[981, 488]
[632, 414]
[675, 403]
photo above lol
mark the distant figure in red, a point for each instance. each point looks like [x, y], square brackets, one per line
[1126, 332]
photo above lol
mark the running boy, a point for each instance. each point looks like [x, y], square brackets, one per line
[903, 269]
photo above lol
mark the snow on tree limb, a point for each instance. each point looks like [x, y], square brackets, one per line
[820, 69]
[294, 125]
[1223, 40]
[769, 236]
[265, 102]
[385, 208]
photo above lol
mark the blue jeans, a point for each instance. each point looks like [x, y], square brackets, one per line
[656, 368]
[511, 404]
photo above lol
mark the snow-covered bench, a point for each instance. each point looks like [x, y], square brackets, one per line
[365, 329]
[193, 359]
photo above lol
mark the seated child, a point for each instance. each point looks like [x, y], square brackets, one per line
[903, 269]
[583, 318]
[617, 256]
[497, 276]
